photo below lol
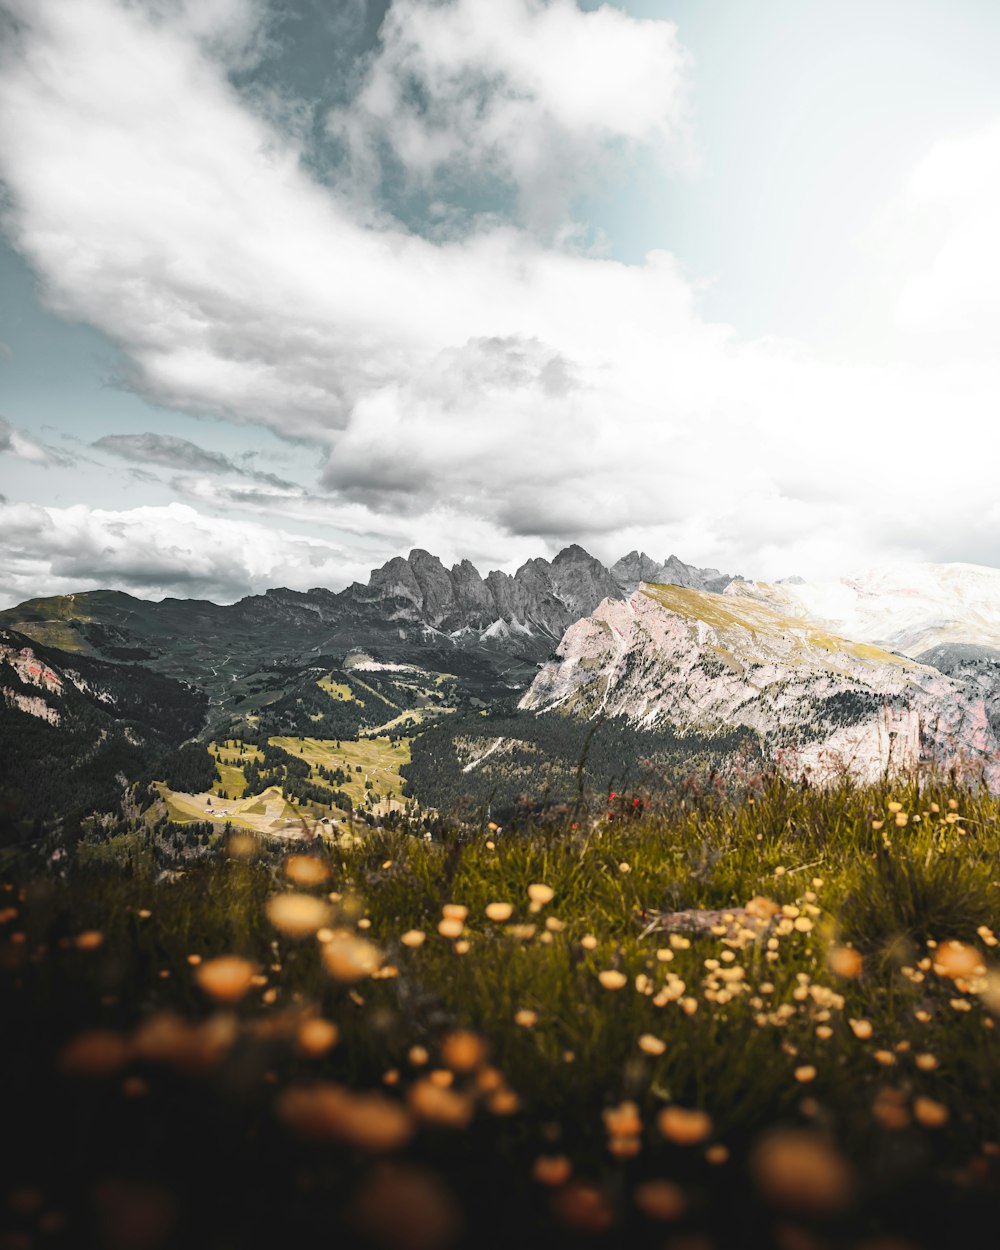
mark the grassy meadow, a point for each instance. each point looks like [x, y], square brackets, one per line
[513, 1035]
[370, 764]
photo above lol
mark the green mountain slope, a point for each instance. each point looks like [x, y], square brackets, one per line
[76, 730]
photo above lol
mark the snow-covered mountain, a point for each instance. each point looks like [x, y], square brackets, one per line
[822, 704]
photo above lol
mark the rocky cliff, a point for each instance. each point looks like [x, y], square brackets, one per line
[542, 598]
[823, 706]
[638, 567]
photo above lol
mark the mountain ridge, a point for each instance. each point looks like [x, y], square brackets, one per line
[698, 671]
[411, 601]
[822, 705]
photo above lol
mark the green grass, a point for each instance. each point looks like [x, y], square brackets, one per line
[726, 612]
[410, 719]
[338, 690]
[52, 633]
[232, 778]
[266, 813]
[737, 1049]
[379, 760]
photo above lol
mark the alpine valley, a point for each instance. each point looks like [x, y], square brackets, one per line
[433, 689]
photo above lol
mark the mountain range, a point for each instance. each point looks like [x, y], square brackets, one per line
[488, 677]
[491, 632]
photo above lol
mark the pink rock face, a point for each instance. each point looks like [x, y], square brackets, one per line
[30, 669]
[822, 706]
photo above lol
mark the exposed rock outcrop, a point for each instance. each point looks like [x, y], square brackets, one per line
[638, 567]
[822, 706]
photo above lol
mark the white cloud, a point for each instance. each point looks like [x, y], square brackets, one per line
[16, 443]
[157, 551]
[535, 94]
[482, 396]
[182, 550]
[234, 31]
[945, 236]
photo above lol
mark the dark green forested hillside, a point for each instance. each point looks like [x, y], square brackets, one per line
[70, 747]
[554, 759]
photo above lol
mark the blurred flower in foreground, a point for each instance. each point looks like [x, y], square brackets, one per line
[583, 1208]
[660, 1200]
[444, 1107]
[98, 1052]
[845, 961]
[552, 1170]
[958, 960]
[316, 1036]
[682, 1126]
[297, 915]
[407, 1208]
[225, 979]
[242, 846]
[370, 1121]
[801, 1171]
[168, 1039]
[929, 1112]
[306, 870]
[651, 1045]
[463, 1051]
[350, 958]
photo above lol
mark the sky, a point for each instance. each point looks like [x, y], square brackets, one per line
[288, 287]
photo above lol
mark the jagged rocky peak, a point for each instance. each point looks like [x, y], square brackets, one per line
[634, 568]
[638, 567]
[437, 589]
[675, 572]
[580, 580]
[395, 580]
[472, 595]
[542, 598]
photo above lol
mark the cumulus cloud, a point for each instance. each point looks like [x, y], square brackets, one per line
[235, 32]
[157, 551]
[943, 231]
[179, 453]
[449, 531]
[532, 96]
[493, 388]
